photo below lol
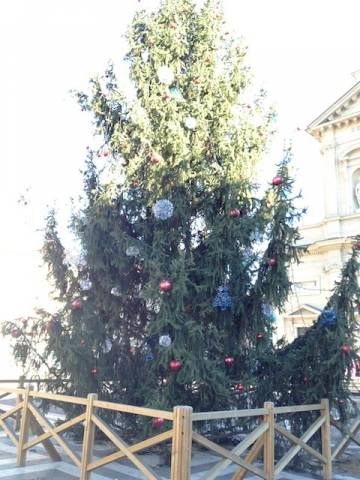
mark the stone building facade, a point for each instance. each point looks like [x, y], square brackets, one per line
[329, 241]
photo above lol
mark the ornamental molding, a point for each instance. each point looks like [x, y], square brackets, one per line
[340, 113]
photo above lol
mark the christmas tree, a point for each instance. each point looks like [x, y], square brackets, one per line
[183, 262]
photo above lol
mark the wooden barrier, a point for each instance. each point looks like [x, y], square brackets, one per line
[348, 436]
[244, 455]
[262, 438]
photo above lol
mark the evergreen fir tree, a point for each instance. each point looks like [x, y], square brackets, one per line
[183, 264]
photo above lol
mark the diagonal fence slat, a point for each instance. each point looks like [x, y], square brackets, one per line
[238, 450]
[121, 445]
[349, 436]
[10, 412]
[227, 454]
[296, 449]
[254, 452]
[301, 443]
[60, 428]
[43, 422]
[9, 432]
[150, 442]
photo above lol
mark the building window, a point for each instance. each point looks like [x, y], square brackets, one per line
[301, 330]
[307, 285]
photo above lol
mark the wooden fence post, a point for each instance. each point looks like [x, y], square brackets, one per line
[181, 444]
[88, 439]
[326, 439]
[18, 400]
[269, 442]
[24, 430]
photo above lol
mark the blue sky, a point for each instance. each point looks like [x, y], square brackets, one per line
[302, 52]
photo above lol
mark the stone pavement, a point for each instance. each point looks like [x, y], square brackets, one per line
[40, 467]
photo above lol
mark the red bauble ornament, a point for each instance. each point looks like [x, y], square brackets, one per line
[272, 262]
[175, 365]
[346, 348]
[15, 332]
[76, 304]
[165, 286]
[276, 181]
[228, 360]
[158, 423]
[234, 213]
[259, 336]
[106, 153]
[239, 388]
[155, 158]
[341, 402]
[94, 371]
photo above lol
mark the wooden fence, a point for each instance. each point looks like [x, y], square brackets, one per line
[259, 444]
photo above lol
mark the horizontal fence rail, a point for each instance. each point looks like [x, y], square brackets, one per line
[30, 427]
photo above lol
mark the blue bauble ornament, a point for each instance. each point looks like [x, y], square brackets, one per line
[223, 300]
[149, 357]
[327, 318]
[176, 94]
[268, 311]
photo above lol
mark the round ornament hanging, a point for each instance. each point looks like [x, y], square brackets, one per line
[176, 94]
[94, 371]
[149, 357]
[145, 56]
[268, 311]
[76, 304]
[158, 423]
[328, 318]
[85, 284]
[107, 345]
[165, 341]
[223, 300]
[165, 286]
[163, 209]
[165, 75]
[229, 361]
[346, 348]
[277, 181]
[155, 158]
[272, 262]
[175, 365]
[234, 213]
[15, 332]
[132, 251]
[115, 291]
[239, 388]
[190, 123]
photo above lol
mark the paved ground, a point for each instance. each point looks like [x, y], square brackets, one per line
[39, 467]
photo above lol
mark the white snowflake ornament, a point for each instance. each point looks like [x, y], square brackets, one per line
[165, 75]
[115, 291]
[163, 209]
[190, 123]
[132, 251]
[145, 56]
[165, 341]
[85, 284]
[107, 345]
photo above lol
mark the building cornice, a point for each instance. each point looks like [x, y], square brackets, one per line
[335, 113]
